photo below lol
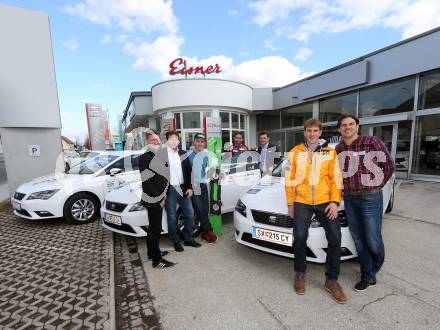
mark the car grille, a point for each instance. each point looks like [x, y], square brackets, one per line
[273, 219]
[122, 227]
[24, 212]
[115, 207]
[19, 196]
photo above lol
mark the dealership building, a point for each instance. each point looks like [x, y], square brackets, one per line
[395, 91]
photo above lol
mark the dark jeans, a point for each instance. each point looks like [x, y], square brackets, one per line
[303, 214]
[153, 232]
[173, 198]
[201, 205]
[364, 217]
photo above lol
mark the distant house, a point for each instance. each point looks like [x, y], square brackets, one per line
[67, 143]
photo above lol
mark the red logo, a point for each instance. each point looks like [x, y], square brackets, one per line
[178, 66]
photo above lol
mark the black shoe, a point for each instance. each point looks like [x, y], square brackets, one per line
[162, 263]
[178, 246]
[162, 254]
[363, 285]
[192, 243]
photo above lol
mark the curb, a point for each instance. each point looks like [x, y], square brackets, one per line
[112, 304]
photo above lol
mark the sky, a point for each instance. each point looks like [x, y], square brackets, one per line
[105, 49]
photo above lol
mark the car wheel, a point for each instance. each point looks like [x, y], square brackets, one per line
[181, 225]
[81, 208]
[391, 202]
[66, 167]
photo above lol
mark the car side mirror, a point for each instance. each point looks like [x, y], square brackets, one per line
[114, 171]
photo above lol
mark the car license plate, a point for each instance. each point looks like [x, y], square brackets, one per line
[114, 219]
[272, 236]
[16, 206]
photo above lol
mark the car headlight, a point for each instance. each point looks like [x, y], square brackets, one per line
[137, 207]
[240, 208]
[45, 194]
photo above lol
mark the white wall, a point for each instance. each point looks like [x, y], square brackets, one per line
[29, 110]
[28, 92]
[201, 92]
[20, 167]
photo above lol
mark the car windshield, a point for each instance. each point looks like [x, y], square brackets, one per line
[92, 165]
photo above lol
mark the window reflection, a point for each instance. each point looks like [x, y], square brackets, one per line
[387, 99]
[296, 116]
[429, 94]
[331, 108]
[427, 145]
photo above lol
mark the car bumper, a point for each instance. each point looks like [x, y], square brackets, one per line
[316, 242]
[132, 223]
[33, 209]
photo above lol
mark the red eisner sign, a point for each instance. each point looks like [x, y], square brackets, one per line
[178, 66]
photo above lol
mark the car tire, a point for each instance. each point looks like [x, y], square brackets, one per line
[66, 167]
[81, 208]
[390, 202]
[181, 226]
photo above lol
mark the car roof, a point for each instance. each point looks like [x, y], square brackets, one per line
[118, 152]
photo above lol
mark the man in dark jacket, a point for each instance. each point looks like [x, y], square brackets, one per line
[269, 154]
[178, 170]
[154, 189]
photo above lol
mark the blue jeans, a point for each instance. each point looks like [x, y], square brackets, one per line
[364, 217]
[303, 215]
[201, 205]
[173, 198]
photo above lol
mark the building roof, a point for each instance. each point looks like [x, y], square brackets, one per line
[363, 57]
[67, 140]
[132, 96]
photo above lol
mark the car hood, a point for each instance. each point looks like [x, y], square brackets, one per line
[128, 194]
[267, 195]
[55, 181]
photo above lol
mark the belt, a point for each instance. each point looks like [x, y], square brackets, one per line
[366, 192]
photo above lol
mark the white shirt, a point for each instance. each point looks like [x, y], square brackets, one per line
[176, 174]
[263, 157]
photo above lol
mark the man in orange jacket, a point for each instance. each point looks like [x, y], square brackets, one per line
[313, 185]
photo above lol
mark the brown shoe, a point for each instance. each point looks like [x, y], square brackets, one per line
[300, 283]
[335, 290]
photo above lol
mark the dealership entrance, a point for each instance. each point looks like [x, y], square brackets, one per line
[397, 138]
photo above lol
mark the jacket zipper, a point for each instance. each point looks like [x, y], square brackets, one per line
[312, 163]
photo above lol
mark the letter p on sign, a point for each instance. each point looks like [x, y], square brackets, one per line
[34, 150]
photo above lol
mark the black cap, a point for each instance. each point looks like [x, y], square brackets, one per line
[199, 136]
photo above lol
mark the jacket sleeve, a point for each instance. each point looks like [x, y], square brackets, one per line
[335, 178]
[289, 177]
[186, 171]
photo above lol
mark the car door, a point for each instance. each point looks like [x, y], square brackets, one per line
[238, 173]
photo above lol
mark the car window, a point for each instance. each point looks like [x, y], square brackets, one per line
[128, 163]
[278, 171]
[92, 165]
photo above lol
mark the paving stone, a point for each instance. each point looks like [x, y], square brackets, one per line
[54, 275]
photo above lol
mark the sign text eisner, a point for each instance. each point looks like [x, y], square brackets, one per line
[178, 66]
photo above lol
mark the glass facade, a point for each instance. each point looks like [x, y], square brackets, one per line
[386, 99]
[426, 158]
[429, 93]
[330, 109]
[297, 115]
[268, 121]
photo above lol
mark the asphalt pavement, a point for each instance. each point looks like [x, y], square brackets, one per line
[230, 286]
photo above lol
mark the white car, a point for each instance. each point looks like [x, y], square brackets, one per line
[78, 194]
[123, 212]
[261, 221]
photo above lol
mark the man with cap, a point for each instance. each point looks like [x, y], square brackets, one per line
[198, 158]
